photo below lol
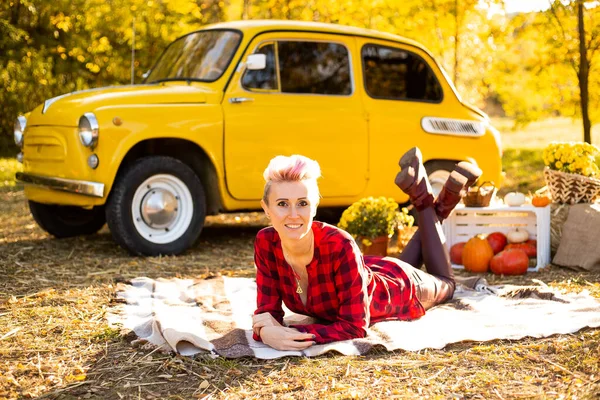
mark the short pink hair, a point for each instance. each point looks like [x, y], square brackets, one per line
[294, 168]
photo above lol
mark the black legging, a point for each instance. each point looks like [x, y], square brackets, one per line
[428, 245]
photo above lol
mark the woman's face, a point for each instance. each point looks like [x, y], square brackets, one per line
[290, 208]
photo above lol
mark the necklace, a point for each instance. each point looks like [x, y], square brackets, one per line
[296, 275]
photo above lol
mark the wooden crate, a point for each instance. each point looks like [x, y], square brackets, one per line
[466, 222]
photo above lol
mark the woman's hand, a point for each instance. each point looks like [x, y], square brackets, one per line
[261, 320]
[283, 338]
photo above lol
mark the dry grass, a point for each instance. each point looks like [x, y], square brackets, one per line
[55, 342]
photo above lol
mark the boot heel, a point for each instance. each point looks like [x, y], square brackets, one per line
[456, 182]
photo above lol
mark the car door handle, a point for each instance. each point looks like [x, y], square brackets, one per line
[235, 100]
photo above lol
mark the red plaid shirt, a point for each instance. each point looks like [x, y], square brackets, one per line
[347, 292]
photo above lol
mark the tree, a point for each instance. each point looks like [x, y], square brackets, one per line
[580, 53]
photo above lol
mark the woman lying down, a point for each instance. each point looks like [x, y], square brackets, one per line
[317, 269]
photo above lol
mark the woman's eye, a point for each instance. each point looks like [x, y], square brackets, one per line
[303, 203]
[282, 204]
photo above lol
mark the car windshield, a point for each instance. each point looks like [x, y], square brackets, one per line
[201, 56]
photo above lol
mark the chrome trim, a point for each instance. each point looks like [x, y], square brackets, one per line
[19, 130]
[451, 126]
[86, 188]
[236, 100]
[94, 129]
[49, 102]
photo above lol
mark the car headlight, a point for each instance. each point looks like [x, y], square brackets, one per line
[19, 128]
[88, 130]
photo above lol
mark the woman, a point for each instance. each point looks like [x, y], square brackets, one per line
[317, 269]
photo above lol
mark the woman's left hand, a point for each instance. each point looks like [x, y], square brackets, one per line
[261, 320]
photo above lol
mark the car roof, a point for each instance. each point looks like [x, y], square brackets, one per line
[255, 26]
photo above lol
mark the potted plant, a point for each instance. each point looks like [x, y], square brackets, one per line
[571, 172]
[372, 221]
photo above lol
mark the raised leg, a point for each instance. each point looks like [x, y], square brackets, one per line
[437, 285]
[465, 174]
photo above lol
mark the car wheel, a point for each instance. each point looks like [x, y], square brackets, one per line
[157, 207]
[67, 221]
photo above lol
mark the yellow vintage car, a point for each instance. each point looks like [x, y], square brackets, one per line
[153, 159]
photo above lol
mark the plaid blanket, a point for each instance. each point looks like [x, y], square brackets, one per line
[214, 315]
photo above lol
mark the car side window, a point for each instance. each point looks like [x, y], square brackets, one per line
[314, 68]
[264, 79]
[397, 74]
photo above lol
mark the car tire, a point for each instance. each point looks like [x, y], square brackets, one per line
[157, 207]
[67, 221]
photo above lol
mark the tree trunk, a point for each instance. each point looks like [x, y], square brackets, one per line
[584, 71]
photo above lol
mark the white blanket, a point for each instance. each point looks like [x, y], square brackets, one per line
[191, 316]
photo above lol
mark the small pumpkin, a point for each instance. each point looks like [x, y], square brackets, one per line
[514, 199]
[510, 262]
[477, 254]
[517, 235]
[539, 200]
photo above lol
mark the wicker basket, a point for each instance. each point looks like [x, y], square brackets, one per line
[480, 196]
[571, 188]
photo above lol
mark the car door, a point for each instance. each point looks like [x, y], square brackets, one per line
[401, 88]
[303, 102]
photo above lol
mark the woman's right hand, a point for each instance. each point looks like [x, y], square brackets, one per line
[259, 321]
[283, 338]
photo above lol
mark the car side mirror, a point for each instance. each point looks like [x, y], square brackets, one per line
[256, 61]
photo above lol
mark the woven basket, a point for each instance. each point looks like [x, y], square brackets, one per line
[480, 196]
[571, 188]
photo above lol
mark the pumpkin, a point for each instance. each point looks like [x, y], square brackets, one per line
[539, 200]
[514, 199]
[477, 254]
[510, 262]
[456, 252]
[528, 248]
[497, 240]
[518, 235]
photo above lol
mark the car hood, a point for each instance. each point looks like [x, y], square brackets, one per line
[67, 108]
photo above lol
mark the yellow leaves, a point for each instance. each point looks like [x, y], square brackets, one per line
[76, 378]
[92, 67]
[61, 22]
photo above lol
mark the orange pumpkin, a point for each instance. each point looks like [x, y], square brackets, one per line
[539, 200]
[477, 254]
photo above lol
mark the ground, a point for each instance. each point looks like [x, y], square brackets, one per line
[55, 342]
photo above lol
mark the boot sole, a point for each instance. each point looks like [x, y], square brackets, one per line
[407, 158]
[469, 171]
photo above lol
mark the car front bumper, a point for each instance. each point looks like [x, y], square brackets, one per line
[86, 188]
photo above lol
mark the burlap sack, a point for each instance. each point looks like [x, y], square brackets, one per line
[580, 240]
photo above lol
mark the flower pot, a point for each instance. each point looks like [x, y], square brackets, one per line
[378, 246]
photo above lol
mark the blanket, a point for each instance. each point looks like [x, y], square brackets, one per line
[190, 316]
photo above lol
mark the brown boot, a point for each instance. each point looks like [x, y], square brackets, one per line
[412, 179]
[465, 174]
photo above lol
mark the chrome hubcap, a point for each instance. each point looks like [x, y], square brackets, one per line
[159, 208]
[162, 208]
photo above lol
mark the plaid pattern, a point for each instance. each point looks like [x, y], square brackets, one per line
[346, 291]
